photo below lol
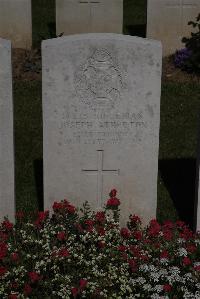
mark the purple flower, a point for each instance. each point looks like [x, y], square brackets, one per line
[181, 57]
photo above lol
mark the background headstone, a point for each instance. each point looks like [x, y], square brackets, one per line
[16, 22]
[7, 202]
[101, 113]
[87, 16]
[167, 21]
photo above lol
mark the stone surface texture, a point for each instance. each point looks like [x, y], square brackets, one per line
[7, 201]
[101, 114]
[16, 22]
[167, 21]
[78, 16]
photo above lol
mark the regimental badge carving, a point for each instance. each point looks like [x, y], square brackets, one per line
[98, 82]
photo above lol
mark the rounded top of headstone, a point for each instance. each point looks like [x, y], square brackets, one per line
[100, 36]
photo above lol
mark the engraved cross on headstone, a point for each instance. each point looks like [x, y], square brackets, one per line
[182, 5]
[100, 171]
[90, 4]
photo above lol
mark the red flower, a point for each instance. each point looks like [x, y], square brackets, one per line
[34, 276]
[89, 222]
[122, 248]
[135, 220]
[132, 265]
[3, 236]
[191, 248]
[43, 215]
[61, 236]
[156, 245]
[135, 250]
[64, 206]
[168, 224]
[6, 224]
[3, 250]
[154, 228]
[164, 254]
[113, 202]
[144, 257]
[71, 209]
[14, 256]
[197, 268]
[186, 261]
[12, 296]
[167, 288]
[57, 206]
[167, 235]
[113, 193]
[125, 233]
[3, 270]
[137, 235]
[63, 252]
[27, 289]
[100, 217]
[186, 234]
[74, 292]
[89, 225]
[83, 283]
[180, 223]
[101, 231]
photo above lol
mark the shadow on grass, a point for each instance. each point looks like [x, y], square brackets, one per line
[38, 174]
[136, 30]
[179, 177]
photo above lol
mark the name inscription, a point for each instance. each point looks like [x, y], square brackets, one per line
[101, 129]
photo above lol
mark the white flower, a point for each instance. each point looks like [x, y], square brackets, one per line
[155, 276]
[158, 288]
[164, 261]
[182, 252]
[147, 287]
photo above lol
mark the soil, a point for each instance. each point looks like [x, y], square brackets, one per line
[173, 74]
[26, 64]
[27, 67]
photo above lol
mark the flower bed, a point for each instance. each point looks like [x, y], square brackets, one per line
[83, 254]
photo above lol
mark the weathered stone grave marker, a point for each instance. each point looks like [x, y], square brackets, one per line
[7, 202]
[167, 21]
[85, 16]
[101, 111]
[16, 22]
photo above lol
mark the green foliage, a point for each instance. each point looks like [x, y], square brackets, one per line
[193, 44]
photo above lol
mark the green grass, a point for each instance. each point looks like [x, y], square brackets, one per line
[180, 105]
[28, 141]
[179, 116]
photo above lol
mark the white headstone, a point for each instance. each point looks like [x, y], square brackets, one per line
[101, 113]
[7, 202]
[16, 22]
[87, 16]
[167, 21]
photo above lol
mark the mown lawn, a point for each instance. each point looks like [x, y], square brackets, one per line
[180, 106]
